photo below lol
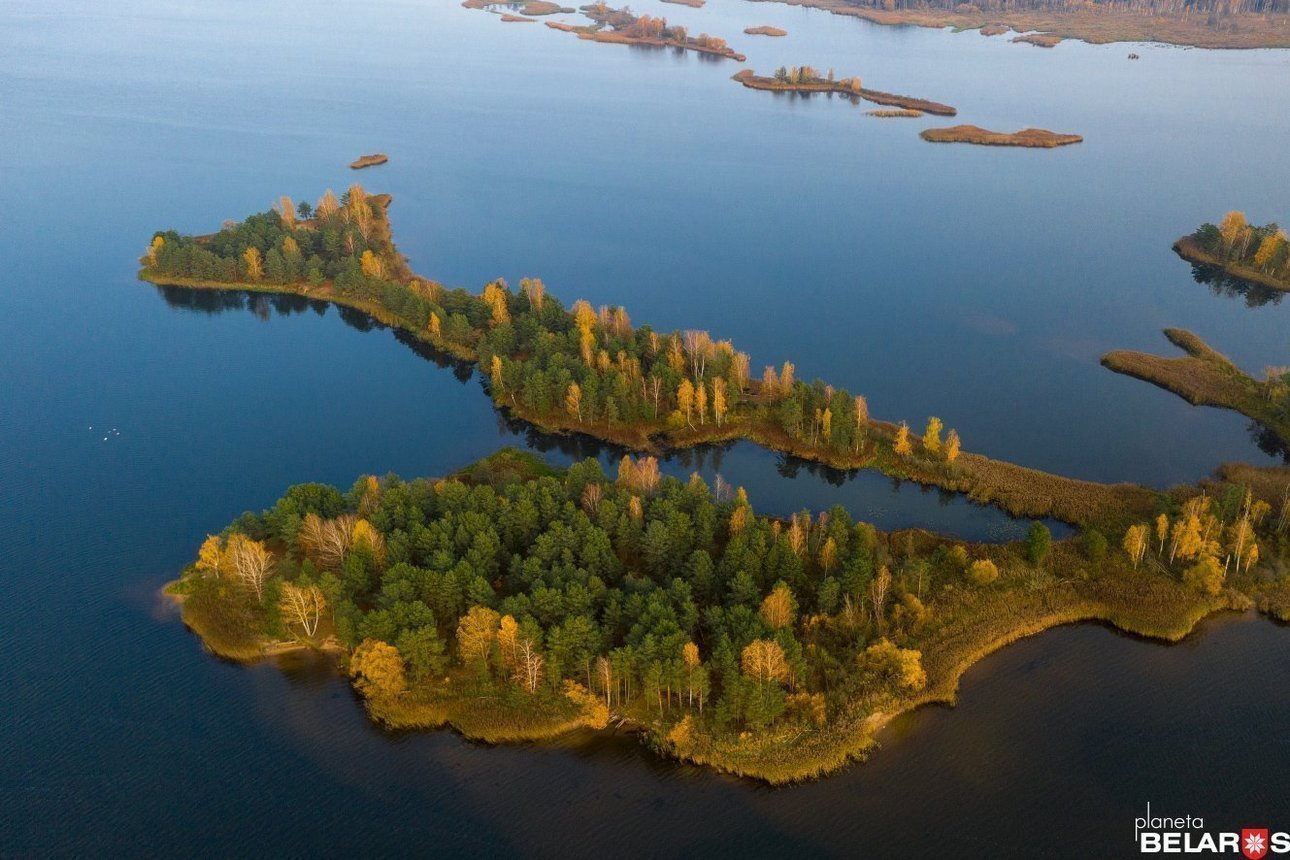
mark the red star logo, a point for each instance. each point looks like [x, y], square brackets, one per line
[1254, 843]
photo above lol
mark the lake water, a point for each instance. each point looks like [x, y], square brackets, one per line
[974, 283]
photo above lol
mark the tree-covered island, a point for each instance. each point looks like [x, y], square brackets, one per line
[1238, 249]
[515, 602]
[624, 27]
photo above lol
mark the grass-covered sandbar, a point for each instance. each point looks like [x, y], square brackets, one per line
[1206, 377]
[369, 160]
[1038, 138]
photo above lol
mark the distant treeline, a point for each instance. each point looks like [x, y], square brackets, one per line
[1154, 7]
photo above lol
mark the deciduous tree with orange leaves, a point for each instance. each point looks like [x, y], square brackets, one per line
[302, 605]
[685, 400]
[371, 265]
[252, 265]
[763, 660]
[932, 435]
[779, 608]
[902, 446]
[952, 446]
[1135, 543]
[377, 669]
[476, 632]
[573, 401]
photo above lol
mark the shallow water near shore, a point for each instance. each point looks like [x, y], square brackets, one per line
[976, 284]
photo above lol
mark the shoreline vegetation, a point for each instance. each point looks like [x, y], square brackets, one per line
[1256, 255]
[515, 602]
[591, 371]
[1030, 137]
[804, 80]
[1206, 377]
[1238, 25]
[369, 161]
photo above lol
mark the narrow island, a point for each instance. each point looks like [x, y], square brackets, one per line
[1206, 377]
[516, 602]
[765, 30]
[1029, 137]
[1039, 40]
[1241, 24]
[592, 371]
[1237, 249]
[517, 19]
[369, 161]
[624, 27]
[805, 80]
[694, 4]
[513, 602]
[994, 29]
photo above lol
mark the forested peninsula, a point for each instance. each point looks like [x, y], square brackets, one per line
[515, 602]
[592, 371]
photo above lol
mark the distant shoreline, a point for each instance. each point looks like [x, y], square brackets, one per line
[1095, 27]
